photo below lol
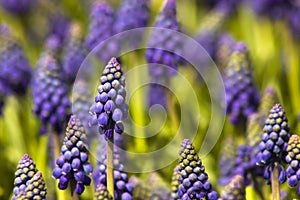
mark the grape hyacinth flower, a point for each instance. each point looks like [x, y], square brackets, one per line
[161, 39]
[101, 193]
[101, 29]
[17, 7]
[164, 40]
[235, 189]
[132, 14]
[50, 93]
[293, 159]
[242, 97]
[72, 164]
[193, 179]
[35, 189]
[58, 25]
[175, 183]
[122, 188]
[25, 171]
[227, 162]
[74, 53]
[273, 147]
[15, 71]
[293, 19]
[110, 107]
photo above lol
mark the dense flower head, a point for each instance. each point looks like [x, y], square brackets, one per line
[274, 139]
[293, 159]
[157, 95]
[35, 189]
[15, 71]
[58, 25]
[101, 193]
[162, 39]
[193, 179]
[132, 14]
[122, 188]
[72, 164]
[227, 162]
[235, 189]
[74, 53]
[274, 142]
[50, 94]
[175, 183]
[17, 7]
[225, 45]
[242, 97]
[100, 29]
[25, 171]
[110, 107]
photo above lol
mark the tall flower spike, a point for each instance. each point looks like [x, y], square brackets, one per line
[132, 14]
[235, 189]
[50, 93]
[101, 193]
[74, 53]
[122, 188]
[175, 183]
[253, 132]
[162, 39]
[293, 159]
[72, 164]
[25, 171]
[100, 29]
[110, 107]
[193, 179]
[35, 189]
[15, 71]
[242, 97]
[274, 141]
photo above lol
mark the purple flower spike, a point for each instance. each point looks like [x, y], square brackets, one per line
[15, 71]
[73, 164]
[50, 93]
[35, 188]
[101, 29]
[193, 179]
[292, 158]
[132, 14]
[74, 53]
[25, 172]
[242, 97]
[273, 145]
[109, 109]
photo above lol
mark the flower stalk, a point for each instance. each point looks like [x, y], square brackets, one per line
[275, 183]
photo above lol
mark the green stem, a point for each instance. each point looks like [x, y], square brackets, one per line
[275, 183]
[110, 166]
